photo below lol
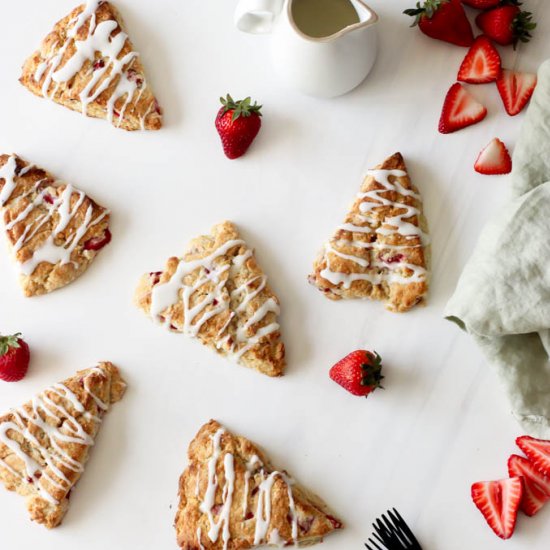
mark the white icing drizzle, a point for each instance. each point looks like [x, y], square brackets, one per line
[275, 539]
[61, 206]
[262, 517]
[7, 173]
[106, 71]
[227, 496]
[167, 294]
[379, 271]
[70, 431]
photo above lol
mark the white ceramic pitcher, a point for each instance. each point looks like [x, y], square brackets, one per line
[323, 66]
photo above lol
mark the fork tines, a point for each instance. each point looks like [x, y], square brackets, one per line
[392, 533]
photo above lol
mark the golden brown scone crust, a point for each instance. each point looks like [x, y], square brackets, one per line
[44, 428]
[373, 254]
[238, 323]
[141, 113]
[25, 212]
[304, 520]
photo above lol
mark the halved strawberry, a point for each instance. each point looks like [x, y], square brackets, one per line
[537, 451]
[516, 89]
[481, 64]
[460, 109]
[499, 501]
[536, 485]
[494, 159]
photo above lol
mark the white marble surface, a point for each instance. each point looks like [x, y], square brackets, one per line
[442, 421]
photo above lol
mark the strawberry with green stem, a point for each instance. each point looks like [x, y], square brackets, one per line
[507, 24]
[359, 372]
[14, 358]
[443, 20]
[238, 123]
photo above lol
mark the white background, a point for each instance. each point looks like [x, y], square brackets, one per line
[442, 422]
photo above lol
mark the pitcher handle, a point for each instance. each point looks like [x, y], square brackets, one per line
[257, 16]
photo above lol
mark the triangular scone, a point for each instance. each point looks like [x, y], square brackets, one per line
[53, 229]
[45, 443]
[381, 250]
[88, 64]
[231, 498]
[218, 293]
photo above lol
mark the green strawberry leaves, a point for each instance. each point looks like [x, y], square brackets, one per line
[241, 107]
[9, 342]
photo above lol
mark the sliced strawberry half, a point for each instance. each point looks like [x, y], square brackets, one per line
[499, 502]
[537, 451]
[460, 109]
[536, 485]
[494, 159]
[481, 64]
[516, 90]
[97, 243]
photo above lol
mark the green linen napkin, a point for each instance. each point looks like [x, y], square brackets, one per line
[503, 296]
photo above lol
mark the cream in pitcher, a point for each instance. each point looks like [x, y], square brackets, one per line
[320, 18]
[323, 48]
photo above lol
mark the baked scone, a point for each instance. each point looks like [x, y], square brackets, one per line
[44, 444]
[231, 498]
[88, 64]
[218, 293]
[381, 250]
[54, 230]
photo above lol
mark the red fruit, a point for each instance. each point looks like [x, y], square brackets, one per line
[536, 486]
[499, 501]
[460, 109]
[516, 89]
[443, 20]
[494, 159]
[238, 123]
[537, 451]
[97, 243]
[481, 64]
[481, 4]
[14, 358]
[360, 372]
[506, 24]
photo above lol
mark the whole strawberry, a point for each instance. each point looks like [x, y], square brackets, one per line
[238, 123]
[360, 372]
[507, 24]
[482, 4]
[443, 20]
[14, 358]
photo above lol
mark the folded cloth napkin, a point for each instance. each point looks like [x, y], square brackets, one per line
[503, 296]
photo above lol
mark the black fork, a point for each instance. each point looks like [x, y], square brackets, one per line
[392, 533]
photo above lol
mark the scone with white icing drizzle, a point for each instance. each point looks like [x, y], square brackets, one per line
[231, 498]
[44, 444]
[381, 250]
[88, 64]
[53, 230]
[219, 294]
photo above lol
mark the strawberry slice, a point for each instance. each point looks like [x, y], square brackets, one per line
[481, 64]
[536, 485]
[499, 501]
[516, 89]
[494, 159]
[537, 451]
[460, 109]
